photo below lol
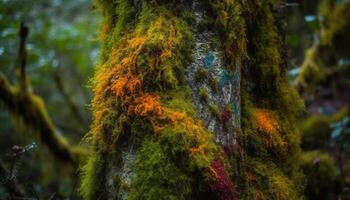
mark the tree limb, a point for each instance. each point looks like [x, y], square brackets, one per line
[30, 108]
[22, 57]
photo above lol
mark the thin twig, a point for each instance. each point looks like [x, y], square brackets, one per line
[22, 57]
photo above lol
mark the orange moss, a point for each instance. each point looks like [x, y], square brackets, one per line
[174, 117]
[168, 44]
[106, 27]
[157, 126]
[145, 105]
[134, 84]
[119, 86]
[199, 150]
[250, 177]
[267, 123]
[125, 83]
[137, 42]
[258, 195]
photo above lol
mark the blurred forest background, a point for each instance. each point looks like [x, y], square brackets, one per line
[63, 50]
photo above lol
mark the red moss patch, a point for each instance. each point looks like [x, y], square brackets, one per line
[222, 185]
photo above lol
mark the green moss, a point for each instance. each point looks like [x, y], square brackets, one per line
[201, 74]
[316, 133]
[264, 85]
[215, 110]
[157, 175]
[232, 27]
[267, 181]
[93, 178]
[203, 94]
[178, 101]
[29, 110]
[322, 175]
[166, 170]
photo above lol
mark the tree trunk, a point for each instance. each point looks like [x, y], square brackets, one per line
[191, 102]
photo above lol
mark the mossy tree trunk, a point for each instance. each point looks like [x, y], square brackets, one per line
[191, 102]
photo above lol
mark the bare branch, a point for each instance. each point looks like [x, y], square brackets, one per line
[22, 57]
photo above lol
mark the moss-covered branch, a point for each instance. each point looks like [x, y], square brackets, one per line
[30, 108]
[328, 55]
[316, 130]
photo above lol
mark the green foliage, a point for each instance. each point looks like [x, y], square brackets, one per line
[266, 181]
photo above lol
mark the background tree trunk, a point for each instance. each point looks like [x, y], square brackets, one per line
[192, 102]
